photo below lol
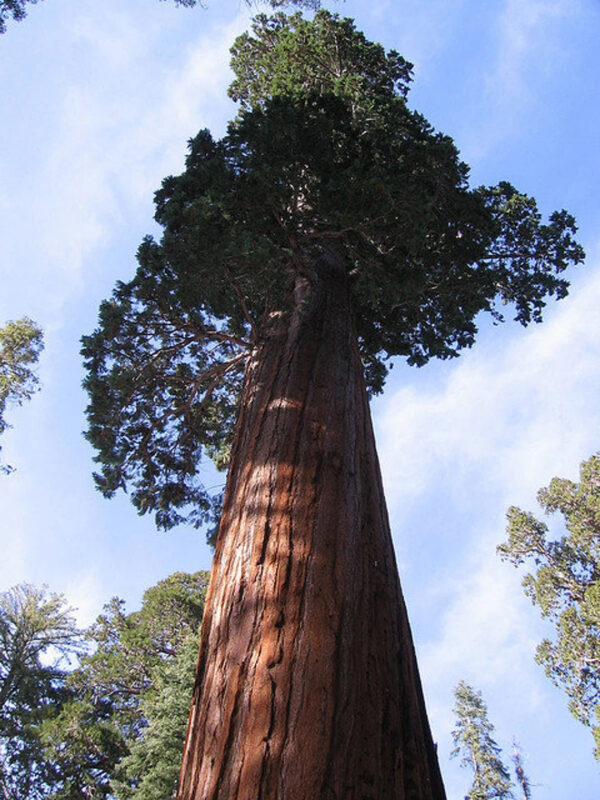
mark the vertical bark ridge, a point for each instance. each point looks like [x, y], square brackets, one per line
[307, 686]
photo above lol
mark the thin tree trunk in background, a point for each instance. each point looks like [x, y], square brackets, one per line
[307, 685]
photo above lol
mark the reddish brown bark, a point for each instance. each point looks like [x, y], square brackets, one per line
[307, 685]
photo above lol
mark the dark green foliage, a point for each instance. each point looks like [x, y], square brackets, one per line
[325, 162]
[151, 768]
[160, 394]
[37, 637]
[25, 772]
[473, 741]
[121, 732]
[14, 9]
[114, 726]
[21, 343]
[81, 745]
[565, 584]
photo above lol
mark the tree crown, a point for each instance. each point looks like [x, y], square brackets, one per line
[324, 164]
[37, 637]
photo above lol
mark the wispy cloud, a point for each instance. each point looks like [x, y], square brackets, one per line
[528, 37]
[531, 43]
[85, 593]
[117, 127]
[419, 31]
[508, 414]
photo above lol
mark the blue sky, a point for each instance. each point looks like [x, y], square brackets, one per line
[98, 99]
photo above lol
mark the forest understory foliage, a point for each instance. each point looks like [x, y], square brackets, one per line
[102, 712]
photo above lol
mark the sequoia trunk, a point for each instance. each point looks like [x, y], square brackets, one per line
[307, 684]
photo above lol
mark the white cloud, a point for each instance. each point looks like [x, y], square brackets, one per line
[487, 632]
[117, 127]
[16, 548]
[511, 415]
[86, 595]
[528, 39]
[421, 31]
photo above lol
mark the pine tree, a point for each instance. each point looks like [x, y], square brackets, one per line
[150, 769]
[565, 584]
[329, 229]
[120, 730]
[520, 774]
[21, 343]
[473, 741]
[37, 638]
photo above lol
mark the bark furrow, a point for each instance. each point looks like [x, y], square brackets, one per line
[307, 685]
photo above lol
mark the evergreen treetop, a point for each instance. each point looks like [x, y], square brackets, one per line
[474, 742]
[325, 171]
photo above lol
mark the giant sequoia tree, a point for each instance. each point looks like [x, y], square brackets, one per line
[330, 229]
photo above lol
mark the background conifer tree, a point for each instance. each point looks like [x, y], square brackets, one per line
[38, 635]
[521, 777]
[473, 740]
[21, 343]
[119, 731]
[565, 585]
